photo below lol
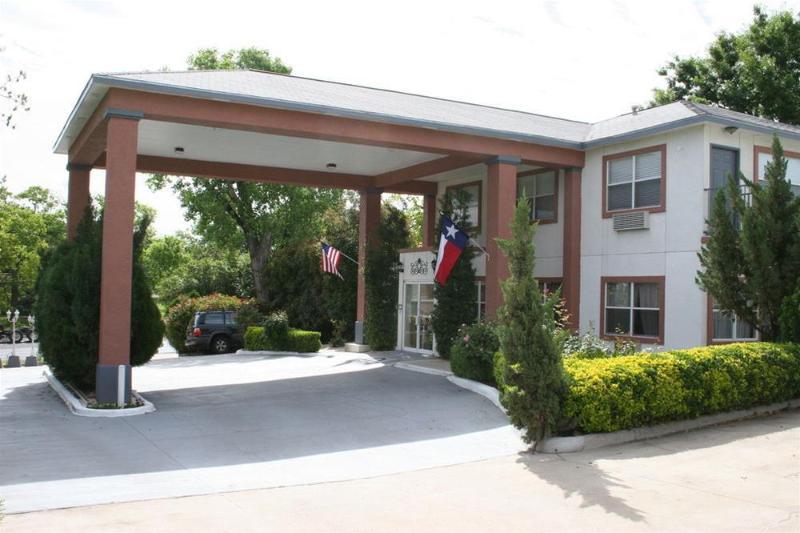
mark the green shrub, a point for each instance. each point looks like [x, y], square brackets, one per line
[380, 279]
[180, 315]
[303, 341]
[276, 330]
[473, 352]
[254, 339]
[297, 340]
[625, 392]
[455, 301]
[68, 305]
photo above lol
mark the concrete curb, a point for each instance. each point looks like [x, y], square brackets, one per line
[593, 441]
[78, 406]
[266, 352]
[490, 393]
[600, 440]
[422, 369]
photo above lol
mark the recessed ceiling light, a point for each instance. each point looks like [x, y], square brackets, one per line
[331, 165]
[179, 149]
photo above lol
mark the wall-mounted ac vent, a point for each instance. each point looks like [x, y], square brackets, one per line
[632, 221]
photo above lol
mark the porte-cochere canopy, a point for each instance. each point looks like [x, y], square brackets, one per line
[273, 128]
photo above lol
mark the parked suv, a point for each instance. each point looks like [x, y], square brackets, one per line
[215, 332]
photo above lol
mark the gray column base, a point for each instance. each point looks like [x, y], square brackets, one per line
[31, 360]
[106, 387]
[13, 361]
[359, 332]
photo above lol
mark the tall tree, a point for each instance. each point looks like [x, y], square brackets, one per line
[533, 379]
[241, 214]
[751, 262]
[756, 71]
[456, 301]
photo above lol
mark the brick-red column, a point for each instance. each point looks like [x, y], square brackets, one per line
[77, 196]
[571, 288]
[429, 220]
[500, 201]
[369, 217]
[115, 285]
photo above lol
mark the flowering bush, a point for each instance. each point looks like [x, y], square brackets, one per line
[473, 351]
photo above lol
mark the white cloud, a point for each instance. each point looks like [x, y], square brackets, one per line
[582, 60]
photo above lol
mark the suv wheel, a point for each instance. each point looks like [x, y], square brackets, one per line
[220, 344]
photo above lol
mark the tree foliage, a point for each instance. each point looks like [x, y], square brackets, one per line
[31, 225]
[243, 215]
[14, 98]
[756, 71]
[456, 301]
[533, 380]
[751, 262]
[68, 305]
[381, 278]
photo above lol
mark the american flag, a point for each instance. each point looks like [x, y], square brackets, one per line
[330, 259]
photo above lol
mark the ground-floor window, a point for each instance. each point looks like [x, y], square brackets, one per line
[634, 307]
[548, 287]
[727, 327]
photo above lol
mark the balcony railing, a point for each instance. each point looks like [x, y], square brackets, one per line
[710, 194]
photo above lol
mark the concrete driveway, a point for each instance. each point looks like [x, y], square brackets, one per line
[233, 422]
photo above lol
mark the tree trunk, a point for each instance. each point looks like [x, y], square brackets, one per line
[259, 250]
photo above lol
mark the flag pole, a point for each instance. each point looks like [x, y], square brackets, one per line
[479, 247]
[344, 254]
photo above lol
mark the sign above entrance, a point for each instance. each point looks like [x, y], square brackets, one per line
[418, 267]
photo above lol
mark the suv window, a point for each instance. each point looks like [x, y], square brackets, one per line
[214, 318]
[230, 317]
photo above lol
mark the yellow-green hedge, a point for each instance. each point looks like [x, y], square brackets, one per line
[611, 394]
[297, 340]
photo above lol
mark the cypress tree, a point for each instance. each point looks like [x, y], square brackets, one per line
[751, 262]
[457, 300]
[68, 305]
[380, 327]
[533, 380]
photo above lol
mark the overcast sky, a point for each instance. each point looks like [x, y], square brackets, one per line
[585, 60]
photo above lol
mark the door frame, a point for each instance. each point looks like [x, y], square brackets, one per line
[402, 322]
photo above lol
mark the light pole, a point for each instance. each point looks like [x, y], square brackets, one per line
[31, 359]
[13, 359]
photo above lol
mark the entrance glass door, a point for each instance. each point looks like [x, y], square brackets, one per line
[418, 306]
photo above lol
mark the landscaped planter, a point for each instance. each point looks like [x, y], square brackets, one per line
[80, 406]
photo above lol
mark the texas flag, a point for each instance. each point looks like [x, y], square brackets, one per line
[451, 245]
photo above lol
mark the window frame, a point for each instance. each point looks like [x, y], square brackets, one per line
[475, 229]
[555, 194]
[480, 283]
[758, 150]
[710, 339]
[658, 280]
[662, 206]
[544, 290]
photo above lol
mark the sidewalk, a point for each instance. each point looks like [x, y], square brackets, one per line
[738, 477]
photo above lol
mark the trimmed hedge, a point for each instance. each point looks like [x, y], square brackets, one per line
[297, 340]
[611, 394]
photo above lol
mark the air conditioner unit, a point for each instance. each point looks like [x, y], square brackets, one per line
[631, 221]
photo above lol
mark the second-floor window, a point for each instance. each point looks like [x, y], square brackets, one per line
[634, 180]
[541, 190]
[473, 198]
[792, 168]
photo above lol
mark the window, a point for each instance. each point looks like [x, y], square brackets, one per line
[214, 318]
[634, 308]
[634, 180]
[481, 286]
[541, 190]
[548, 287]
[792, 168]
[728, 327]
[473, 198]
